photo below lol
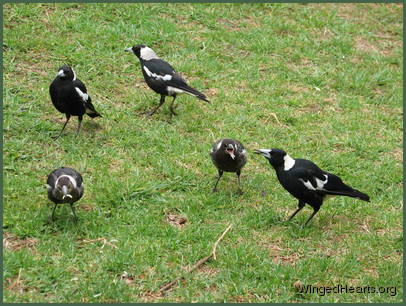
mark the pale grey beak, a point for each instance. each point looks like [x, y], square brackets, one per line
[230, 151]
[65, 193]
[263, 152]
[60, 73]
[129, 49]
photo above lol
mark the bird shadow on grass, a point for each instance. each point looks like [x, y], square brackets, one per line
[276, 220]
[91, 127]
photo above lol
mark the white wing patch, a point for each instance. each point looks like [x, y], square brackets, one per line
[320, 183]
[166, 77]
[72, 180]
[83, 95]
[289, 162]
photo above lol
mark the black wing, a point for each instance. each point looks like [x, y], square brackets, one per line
[90, 110]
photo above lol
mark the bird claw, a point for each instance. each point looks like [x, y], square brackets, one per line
[240, 192]
[214, 190]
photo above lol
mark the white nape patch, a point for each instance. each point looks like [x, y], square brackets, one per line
[219, 145]
[60, 73]
[74, 75]
[289, 162]
[166, 77]
[172, 90]
[147, 54]
[320, 183]
[72, 180]
[83, 95]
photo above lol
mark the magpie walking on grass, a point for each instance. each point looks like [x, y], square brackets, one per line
[228, 155]
[162, 78]
[306, 181]
[65, 185]
[69, 96]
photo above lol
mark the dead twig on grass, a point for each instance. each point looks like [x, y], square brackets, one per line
[198, 264]
[104, 240]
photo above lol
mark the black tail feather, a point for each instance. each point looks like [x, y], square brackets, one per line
[193, 92]
[91, 111]
[353, 193]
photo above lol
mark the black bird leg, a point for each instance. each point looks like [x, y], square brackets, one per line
[300, 206]
[316, 209]
[161, 101]
[73, 211]
[239, 187]
[66, 122]
[171, 106]
[80, 118]
[215, 186]
[53, 212]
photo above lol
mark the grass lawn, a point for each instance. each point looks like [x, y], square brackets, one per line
[323, 82]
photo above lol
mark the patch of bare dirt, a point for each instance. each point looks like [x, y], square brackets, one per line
[13, 243]
[16, 284]
[176, 220]
[283, 256]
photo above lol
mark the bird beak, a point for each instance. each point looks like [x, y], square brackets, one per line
[60, 73]
[263, 152]
[230, 151]
[129, 49]
[65, 193]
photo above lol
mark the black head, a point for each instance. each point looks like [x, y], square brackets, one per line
[136, 50]
[275, 156]
[142, 52]
[228, 147]
[64, 188]
[66, 73]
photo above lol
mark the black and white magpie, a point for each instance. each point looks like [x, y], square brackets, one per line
[162, 78]
[228, 155]
[69, 96]
[306, 181]
[65, 185]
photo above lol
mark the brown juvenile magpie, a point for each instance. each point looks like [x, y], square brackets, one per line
[228, 155]
[69, 96]
[65, 185]
[162, 78]
[306, 181]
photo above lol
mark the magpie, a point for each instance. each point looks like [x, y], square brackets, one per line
[306, 181]
[65, 185]
[228, 155]
[162, 78]
[69, 96]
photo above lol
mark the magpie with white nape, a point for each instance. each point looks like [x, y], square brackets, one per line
[65, 185]
[162, 78]
[228, 155]
[69, 96]
[306, 181]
